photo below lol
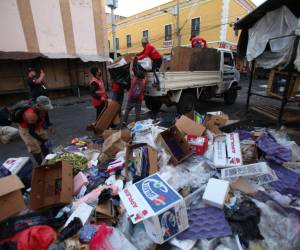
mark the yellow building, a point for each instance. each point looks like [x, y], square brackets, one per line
[210, 19]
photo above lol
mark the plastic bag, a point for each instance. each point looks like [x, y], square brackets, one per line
[121, 75]
[146, 63]
[279, 231]
[100, 240]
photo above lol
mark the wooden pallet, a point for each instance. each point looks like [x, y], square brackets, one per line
[289, 115]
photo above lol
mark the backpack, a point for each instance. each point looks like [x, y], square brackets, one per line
[137, 88]
[16, 111]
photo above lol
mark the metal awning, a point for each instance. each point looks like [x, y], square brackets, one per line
[249, 20]
[29, 56]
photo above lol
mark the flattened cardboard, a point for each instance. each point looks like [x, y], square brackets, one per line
[107, 116]
[152, 156]
[181, 142]
[244, 186]
[11, 199]
[51, 185]
[189, 127]
[215, 122]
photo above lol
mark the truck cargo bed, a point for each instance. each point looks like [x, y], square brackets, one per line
[177, 80]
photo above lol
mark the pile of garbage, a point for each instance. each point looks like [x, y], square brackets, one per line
[188, 186]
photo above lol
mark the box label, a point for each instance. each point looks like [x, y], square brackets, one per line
[157, 193]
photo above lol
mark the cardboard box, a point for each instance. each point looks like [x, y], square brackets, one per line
[105, 213]
[158, 205]
[175, 143]
[251, 170]
[11, 199]
[227, 151]
[125, 134]
[215, 122]
[51, 185]
[189, 127]
[152, 156]
[115, 143]
[200, 148]
[107, 116]
[215, 192]
[233, 148]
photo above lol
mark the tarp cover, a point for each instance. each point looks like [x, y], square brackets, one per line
[277, 23]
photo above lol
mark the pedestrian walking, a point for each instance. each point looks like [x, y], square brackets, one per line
[36, 84]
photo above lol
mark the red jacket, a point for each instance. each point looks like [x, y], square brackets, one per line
[149, 51]
[198, 42]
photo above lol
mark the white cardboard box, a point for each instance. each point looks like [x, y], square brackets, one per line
[251, 170]
[215, 192]
[227, 151]
[158, 205]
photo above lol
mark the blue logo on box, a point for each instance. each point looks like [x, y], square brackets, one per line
[168, 223]
[157, 193]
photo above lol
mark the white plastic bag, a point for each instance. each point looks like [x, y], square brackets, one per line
[146, 63]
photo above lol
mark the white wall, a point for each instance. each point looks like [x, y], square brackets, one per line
[83, 26]
[48, 25]
[12, 36]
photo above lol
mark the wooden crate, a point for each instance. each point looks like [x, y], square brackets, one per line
[293, 89]
[289, 115]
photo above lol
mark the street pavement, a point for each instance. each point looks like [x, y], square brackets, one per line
[71, 115]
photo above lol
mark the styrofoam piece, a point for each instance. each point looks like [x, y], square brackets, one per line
[215, 192]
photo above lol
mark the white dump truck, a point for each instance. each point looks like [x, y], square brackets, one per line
[193, 75]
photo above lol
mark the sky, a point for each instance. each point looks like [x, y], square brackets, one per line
[131, 7]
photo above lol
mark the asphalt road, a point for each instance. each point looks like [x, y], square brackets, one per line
[72, 114]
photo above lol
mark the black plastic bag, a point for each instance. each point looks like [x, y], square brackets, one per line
[121, 75]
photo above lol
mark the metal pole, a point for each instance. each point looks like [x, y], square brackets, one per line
[250, 84]
[113, 27]
[178, 25]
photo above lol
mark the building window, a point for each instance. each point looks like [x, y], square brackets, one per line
[128, 41]
[168, 32]
[195, 26]
[146, 33]
[117, 43]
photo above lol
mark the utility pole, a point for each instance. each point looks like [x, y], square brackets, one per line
[113, 28]
[113, 4]
[177, 24]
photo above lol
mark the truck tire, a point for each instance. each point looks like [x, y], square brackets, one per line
[186, 103]
[231, 94]
[153, 103]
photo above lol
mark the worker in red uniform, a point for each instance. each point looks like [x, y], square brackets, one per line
[198, 42]
[97, 90]
[34, 127]
[151, 52]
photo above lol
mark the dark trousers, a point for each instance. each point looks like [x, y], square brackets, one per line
[99, 109]
[137, 105]
[155, 67]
